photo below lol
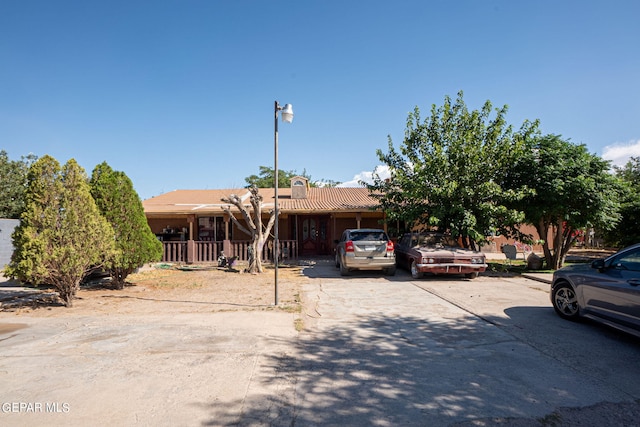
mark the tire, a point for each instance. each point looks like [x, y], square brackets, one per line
[565, 301]
[344, 271]
[472, 275]
[390, 271]
[414, 270]
[337, 261]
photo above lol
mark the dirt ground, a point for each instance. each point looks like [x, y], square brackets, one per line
[191, 289]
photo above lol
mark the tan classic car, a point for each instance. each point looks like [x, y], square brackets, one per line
[437, 253]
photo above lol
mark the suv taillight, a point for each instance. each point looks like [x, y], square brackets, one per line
[348, 247]
[389, 246]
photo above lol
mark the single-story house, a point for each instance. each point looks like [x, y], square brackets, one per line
[194, 227]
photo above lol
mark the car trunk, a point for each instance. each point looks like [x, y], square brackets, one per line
[370, 248]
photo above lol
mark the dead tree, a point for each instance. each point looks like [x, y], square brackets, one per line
[254, 225]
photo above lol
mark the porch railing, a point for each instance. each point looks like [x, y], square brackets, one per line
[208, 252]
[174, 251]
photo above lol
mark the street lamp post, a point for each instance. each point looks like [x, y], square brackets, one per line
[287, 116]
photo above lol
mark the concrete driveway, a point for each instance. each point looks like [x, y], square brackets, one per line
[439, 351]
[377, 350]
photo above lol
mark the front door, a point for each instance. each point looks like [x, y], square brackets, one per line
[313, 234]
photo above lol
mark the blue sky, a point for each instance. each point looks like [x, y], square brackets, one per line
[179, 94]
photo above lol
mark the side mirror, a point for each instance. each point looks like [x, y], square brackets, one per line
[599, 264]
[336, 241]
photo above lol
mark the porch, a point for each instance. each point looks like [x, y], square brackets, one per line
[195, 251]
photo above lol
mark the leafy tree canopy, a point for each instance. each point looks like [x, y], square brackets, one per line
[627, 231]
[13, 182]
[264, 179]
[573, 189]
[449, 171]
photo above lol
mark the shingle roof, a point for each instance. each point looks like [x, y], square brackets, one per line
[319, 199]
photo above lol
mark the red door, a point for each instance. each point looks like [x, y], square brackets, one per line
[313, 235]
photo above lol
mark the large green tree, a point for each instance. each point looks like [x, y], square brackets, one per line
[448, 173]
[627, 231]
[119, 203]
[61, 236]
[264, 179]
[13, 182]
[573, 189]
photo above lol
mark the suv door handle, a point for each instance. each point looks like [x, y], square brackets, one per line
[634, 282]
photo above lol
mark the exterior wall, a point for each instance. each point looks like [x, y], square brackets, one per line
[6, 244]
[498, 241]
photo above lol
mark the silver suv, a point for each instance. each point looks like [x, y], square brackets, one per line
[365, 249]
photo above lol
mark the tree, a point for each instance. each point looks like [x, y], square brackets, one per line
[627, 231]
[119, 203]
[61, 236]
[13, 182]
[572, 190]
[448, 173]
[258, 231]
[265, 179]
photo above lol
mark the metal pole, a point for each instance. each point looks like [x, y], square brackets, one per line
[276, 242]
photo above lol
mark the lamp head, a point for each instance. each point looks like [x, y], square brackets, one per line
[287, 113]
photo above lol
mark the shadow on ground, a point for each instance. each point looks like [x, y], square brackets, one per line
[410, 371]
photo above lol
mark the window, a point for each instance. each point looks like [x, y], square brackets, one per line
[628, 261]
[211, 228]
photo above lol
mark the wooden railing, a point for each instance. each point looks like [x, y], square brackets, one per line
[174, 251]
[208, 252]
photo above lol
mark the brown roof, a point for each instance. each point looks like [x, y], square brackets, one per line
[320, 199]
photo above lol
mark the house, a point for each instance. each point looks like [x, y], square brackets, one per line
[194, 228]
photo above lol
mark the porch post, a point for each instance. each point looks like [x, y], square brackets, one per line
[191, 219]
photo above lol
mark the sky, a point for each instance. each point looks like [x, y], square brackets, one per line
[180, 94]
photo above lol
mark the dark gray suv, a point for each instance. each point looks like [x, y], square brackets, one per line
[607, 290]
[365, 249]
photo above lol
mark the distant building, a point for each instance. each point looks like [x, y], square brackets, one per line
[6, 244]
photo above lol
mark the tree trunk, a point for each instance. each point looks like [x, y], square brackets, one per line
[66, 292]
[542, 227]
[255, 259]
[119, 277]
[254, 226]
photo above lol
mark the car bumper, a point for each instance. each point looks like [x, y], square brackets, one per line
[366, 263]
[451, 268]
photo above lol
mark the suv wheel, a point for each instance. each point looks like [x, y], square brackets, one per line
[565, 302]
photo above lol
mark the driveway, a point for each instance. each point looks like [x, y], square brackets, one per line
[439, 351]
